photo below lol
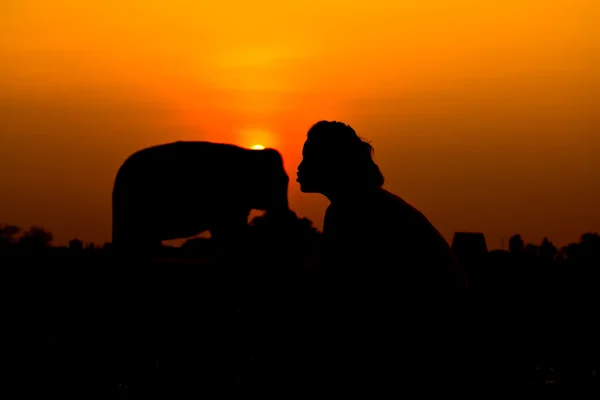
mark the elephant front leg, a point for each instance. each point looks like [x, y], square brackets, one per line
[230, 236]
[230, 229]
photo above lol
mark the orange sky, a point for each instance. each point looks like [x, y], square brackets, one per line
[483, 114]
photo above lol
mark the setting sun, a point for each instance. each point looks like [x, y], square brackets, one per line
[257, 138]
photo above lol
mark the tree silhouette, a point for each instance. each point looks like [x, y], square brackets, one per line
[285, 237]
[516, 245]
[547, 250]
[8, 233]
[570, 251]
[8, 237]
[76, 244]
[35, 239]
[588, 260]
[532, 250]
[586, 251]
[590, 245]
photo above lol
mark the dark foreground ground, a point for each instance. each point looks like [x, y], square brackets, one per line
[89, 328]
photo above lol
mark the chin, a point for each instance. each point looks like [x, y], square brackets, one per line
[304, 188]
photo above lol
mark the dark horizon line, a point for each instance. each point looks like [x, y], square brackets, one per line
[99, 245]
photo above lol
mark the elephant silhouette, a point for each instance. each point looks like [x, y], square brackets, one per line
[181, 189]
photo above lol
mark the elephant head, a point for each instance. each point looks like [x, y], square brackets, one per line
[268, 182]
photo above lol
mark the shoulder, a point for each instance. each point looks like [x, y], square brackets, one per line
[330, 209]
[397, 207]
[408, 219]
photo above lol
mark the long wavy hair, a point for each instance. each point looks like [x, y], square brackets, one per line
[343, 145]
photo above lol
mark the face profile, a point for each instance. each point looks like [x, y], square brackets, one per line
[338, 164]
[313, 170]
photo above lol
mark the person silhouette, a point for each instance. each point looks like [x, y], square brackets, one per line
[383, 265]
[367, 225]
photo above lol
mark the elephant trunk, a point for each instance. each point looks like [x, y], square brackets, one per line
[279, 203]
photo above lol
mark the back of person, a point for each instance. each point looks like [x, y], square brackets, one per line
[381, 237]
[386, 314]
[390, 281]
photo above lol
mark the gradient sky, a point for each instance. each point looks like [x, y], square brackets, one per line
[485, 115]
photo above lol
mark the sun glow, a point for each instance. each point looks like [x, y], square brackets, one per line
[257, 138]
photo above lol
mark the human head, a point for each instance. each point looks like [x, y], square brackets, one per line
[336, 158]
